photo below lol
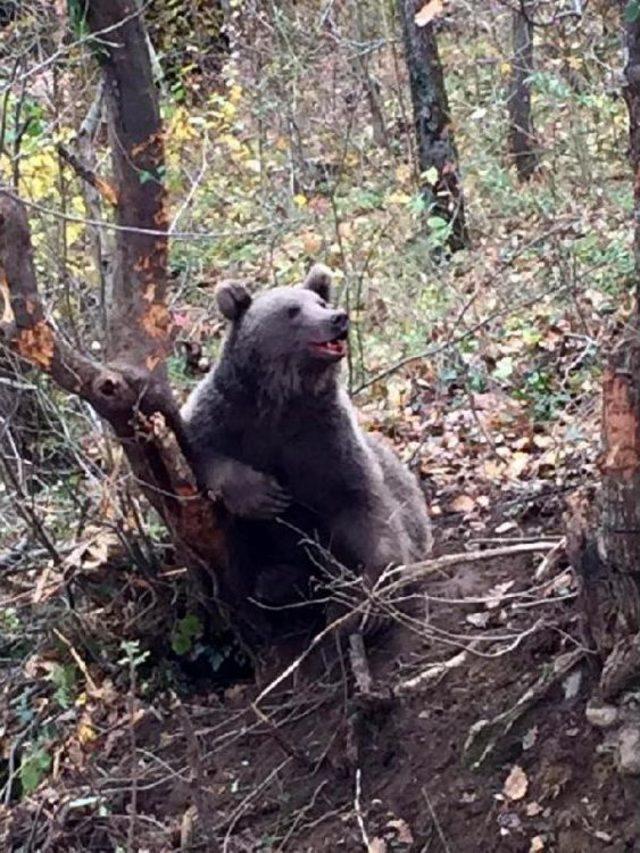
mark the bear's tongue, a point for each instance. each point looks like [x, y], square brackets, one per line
[337, 347]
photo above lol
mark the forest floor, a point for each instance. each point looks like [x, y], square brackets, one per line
[315, 765]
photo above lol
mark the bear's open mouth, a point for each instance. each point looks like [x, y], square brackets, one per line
[335, 348]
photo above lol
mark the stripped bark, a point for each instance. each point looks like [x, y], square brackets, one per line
[436, 147]
[139, 322]
[522, 140]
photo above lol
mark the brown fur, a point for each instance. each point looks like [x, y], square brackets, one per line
[275, 436]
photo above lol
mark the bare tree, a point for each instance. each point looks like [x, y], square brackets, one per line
[131, 392]
[522, 141]
[437, 154]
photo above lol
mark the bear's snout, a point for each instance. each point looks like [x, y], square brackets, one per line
[340, 322]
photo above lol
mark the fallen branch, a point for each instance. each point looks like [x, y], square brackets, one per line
[551, 560]
[433, 672]
[484, 735]
[401, 575]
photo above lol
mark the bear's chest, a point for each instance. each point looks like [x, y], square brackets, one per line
[316, 455]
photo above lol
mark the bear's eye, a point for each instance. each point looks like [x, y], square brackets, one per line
[293, 311]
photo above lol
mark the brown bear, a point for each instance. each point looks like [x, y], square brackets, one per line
[275, 438]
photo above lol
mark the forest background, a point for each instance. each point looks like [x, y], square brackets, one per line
[289, 137]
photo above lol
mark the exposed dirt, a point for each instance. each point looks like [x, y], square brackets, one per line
[322, 770]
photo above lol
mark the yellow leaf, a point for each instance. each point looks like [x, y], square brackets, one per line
[300, 200]
[430, 10]
[517, 464]
[235, 93]
[505, 69]
[86, 733]
[403, 173]
[398, 197]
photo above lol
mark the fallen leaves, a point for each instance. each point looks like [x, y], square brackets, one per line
[463, 503]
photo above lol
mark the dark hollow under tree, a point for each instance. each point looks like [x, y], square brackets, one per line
[522, 140]
[437, 154]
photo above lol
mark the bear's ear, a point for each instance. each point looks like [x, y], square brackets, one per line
[233, 299]
[319, 280]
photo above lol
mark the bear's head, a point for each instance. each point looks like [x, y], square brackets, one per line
[286, 337]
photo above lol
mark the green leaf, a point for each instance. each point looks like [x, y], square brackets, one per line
[632, 11]
[64, 679]
[33, 769]
[185, 632]
[431, 175]
[437, 223]
[504, 368]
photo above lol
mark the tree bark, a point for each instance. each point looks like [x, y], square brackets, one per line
[522, 141]
[139, 322]
[131, 393]
[610, 562]
[436, 148]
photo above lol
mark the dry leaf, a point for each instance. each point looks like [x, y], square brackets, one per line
[543, 441]
[492, 469]
[516, 784]
[478, 620]
[537, 844]
[86, 732]
[496, 594]
[505, 527]
[377, 845]
[517, 464]
[404, 835]
[463, 503]
[430, 10]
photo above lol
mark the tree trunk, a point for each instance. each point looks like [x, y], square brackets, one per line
[522, 141]
[437, 156]
[132, 393]
[139, 322]
[610, 563]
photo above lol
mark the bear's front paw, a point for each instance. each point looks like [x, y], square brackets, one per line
[255, 495]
